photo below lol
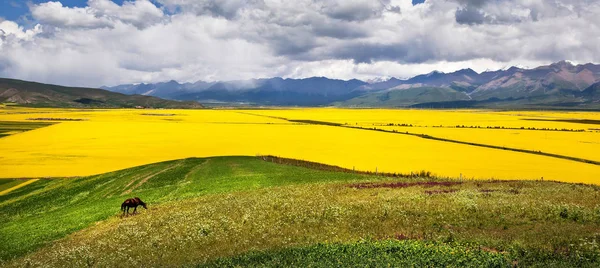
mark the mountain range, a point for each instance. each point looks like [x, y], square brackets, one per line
[314, 91]
[560, 84]
[44, 95]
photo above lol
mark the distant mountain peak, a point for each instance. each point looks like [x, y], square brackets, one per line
[467, 71]
[432, 73]
[379, 79]
[562, 64]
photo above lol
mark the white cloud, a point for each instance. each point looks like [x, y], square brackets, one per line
[141, 13]
[8, 28]
[188, 40]
[98, 14]
[11, 32]
[54, 14]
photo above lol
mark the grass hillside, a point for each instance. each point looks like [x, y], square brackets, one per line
[405, 97]
[45, 95]
[237, 211]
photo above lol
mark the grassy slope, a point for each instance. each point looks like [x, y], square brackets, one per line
[8, 183]
[369, 254]
[201, 209]
[50, 209]
[405, 97]
[46, 95]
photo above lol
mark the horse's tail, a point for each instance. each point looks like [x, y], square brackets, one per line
[123, 206]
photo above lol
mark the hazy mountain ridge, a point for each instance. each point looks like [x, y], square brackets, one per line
[270, 91]
[553, 84]
[46, 95]
[592, 92]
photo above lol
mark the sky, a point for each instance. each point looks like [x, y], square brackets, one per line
[104, 42]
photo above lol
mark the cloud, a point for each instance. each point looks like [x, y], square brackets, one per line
[348, 10]
[10, 29]
[223, 8]
[357, 10]
[98, 14]
[104, 43]
[474, 3]
[54, 14]
[141, 13]
[475, 12]
[470, 15]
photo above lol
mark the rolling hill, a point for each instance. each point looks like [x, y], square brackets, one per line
[262, 211]
[406, 97]
[44, 95]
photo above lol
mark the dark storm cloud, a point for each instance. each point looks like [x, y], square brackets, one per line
[368, 53]
[354, 14]
[357, 10]
[470, 15]
[475, 3]
[476, 12]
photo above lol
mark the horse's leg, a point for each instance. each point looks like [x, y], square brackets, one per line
[134, 209]
[127, 211]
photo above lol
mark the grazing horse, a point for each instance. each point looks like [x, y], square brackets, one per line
[132, 203]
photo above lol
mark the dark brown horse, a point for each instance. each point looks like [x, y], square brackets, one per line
[132, 203]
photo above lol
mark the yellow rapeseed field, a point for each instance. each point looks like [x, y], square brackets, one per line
[585, 145]
[108, 140]
[483, 118]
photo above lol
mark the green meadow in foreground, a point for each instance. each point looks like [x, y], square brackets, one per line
[237, 211]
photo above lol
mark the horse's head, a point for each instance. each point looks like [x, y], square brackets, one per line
[139, 201]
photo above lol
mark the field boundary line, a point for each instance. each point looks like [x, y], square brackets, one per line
[428, 137]
[267, 116]
[20, 185]
[334, 168]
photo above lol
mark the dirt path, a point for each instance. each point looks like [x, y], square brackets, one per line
[196, 168]
[144, 180]
[25, 183]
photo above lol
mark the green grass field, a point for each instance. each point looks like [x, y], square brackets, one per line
[239, 211]
[369, 254]
[8, 183]
[8, 128]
